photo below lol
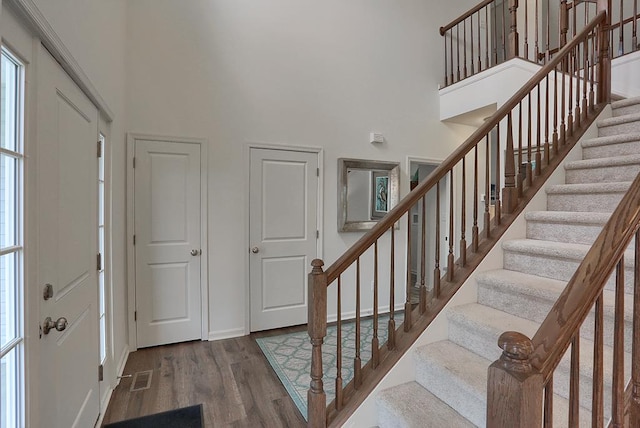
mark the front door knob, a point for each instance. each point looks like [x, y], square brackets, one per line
[60, 325]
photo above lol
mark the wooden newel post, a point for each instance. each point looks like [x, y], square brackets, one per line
[514, 388]
[604, 59]
[510, 191]
[514, 42]
[317, 327]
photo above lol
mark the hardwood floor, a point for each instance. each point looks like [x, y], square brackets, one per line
[231, 378]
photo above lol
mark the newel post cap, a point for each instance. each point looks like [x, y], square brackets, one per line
[516, 350]
[317, 266]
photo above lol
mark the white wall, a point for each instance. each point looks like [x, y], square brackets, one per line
[285, 72]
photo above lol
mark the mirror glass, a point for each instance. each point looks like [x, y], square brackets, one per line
[368, 190]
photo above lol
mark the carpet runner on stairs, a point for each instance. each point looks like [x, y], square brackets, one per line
[450, 388]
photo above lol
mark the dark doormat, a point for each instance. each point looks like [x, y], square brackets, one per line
[186, 417]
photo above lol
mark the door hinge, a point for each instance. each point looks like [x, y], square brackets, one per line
[135, 315]
[317, 234]
[99, 260]
[134, 162]
[100, 373]
[99, 148]
[317, 172]
[134, 239]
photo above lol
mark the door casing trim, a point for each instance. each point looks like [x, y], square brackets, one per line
[319, 151]
[204, 221]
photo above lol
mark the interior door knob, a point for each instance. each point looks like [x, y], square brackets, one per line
[255, 250]
[60, 325]
[194, 252]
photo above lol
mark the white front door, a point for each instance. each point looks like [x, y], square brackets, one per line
[168, 242]
[67, 125]
[283, 228]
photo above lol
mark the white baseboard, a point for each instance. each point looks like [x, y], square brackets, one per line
[107, 397]
[226, 334]
[121, 364]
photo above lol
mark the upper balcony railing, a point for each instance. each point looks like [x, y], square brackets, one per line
[495, 31]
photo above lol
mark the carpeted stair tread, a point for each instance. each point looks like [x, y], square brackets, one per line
[615, 145]
[625, 106]
[565, 226]
[611, 169]
[458, 377]
[603, 162]
[411, 406]
[618, 120]
[593, 197]
[588, 188]
[624, 124]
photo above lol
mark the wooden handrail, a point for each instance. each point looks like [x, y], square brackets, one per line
[443, 169]
[572, 307]
[464, 16]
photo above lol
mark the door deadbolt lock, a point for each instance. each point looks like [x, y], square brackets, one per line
[60, 325]
[48, 292]
[255, 250]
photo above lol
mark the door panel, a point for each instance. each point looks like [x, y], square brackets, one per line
[67, 125]
[283, 224]
[167, 228]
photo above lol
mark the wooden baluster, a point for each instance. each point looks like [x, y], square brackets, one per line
[563, 128]
[574, 382]
[547, 52]
[338, 399]
[529, 143]
[317, 328]
[538, 138]
[617, 402]
[634, 405]
[526, 30]
[458, 52]
[487, 194]
[391, 331]
[564, 22]
[446, 64]
[471, 44]
[537, 40]
[509, 193]
[521, 169]
[548, 404]
[634, 27]
[436, 271]
[474, 228]
[514, 388]
[486, 37]
[604, 62]
[547, 154]
[514, 43]
[495, 35]
[585, 80]
[592, 74]
[504, 34]
[450, 259]
[357, 362]
[407, 303]
[423, 257]
[498, 205]
[479, 45]
[621, 30]
[451, 57]
[577, 115]
[554, 140]
[463, 213]
[464, 47]
[597, 394]
[375, 343]
[570, 98]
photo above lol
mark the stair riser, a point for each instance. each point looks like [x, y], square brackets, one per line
[484, 343]
[630, 109]
[583, 202]
[611, 150]
[603, 175]
[623, 128]
[452, 390]
[536, 308]
[563, 232]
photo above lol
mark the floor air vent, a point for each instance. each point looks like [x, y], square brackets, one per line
[141, 380]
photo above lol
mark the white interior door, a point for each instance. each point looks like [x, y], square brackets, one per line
[67, 125]
[167, 248]
[283, 227]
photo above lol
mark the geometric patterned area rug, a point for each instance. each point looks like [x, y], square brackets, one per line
[290, 356]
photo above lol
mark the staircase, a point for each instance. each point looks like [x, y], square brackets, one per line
[450, 388]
